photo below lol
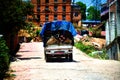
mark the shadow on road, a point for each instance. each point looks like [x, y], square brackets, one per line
[59, 59]
[29, 51]
[29, 58]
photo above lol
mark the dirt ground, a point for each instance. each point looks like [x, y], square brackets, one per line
[31, 65]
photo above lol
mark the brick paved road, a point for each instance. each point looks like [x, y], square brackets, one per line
[32, 66]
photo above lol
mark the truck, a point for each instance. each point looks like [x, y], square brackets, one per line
[58, 39]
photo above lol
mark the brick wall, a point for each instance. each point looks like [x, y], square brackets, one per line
[51, 13]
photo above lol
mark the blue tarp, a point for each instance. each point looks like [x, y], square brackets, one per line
[58, 25]
[91, 21]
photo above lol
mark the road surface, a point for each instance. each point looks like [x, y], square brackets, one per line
[31, 65]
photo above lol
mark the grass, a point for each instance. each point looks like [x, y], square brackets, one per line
[9, 75]
[87, 49]
[91, 51]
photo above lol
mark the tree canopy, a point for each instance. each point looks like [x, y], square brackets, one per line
[83, 9]
[13, 15]
[93, 13]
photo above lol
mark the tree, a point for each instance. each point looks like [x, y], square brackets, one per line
[83, 9]
[93, 13]
[12, 15]
[12, 18]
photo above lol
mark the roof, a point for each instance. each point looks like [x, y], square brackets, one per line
[104, 12]
[91, 21]
[75, 6]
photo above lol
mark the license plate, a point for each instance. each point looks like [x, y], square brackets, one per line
[59, 52]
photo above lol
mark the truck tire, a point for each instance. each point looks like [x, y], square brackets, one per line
[70, 57]
[66, 56]
[46, 58]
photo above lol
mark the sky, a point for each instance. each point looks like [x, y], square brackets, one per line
[88, 2]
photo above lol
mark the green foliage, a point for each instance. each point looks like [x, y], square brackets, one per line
[87, 49]
[37, 32]
[98, 55]
[83, 9]
[30, 27]
[93, 13]
[4, 58]
[28, 8]
[13, 15]
[96, 32]
[90, 49]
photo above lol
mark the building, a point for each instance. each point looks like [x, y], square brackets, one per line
[76, 14]
[104, 12]
[49, 10]
[113, 30]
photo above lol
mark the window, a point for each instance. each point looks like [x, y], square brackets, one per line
[38, 1]
[76, 14]
[55, 8]
[63, 17]
[38, 18]
[55, 0]
[55, 17]
[64, 8]
[46, 8]
[38, 8]
[47, 1]
[64, 0]
[46, 17]
[26, 0]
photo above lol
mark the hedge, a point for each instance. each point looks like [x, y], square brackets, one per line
[4, 58]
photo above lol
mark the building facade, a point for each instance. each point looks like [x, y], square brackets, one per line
[113, 30]
[104, 12]
[50, 10]
[76, 16]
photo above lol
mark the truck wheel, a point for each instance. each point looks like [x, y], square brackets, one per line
[70, 57]
[66, 57]
[46, 58]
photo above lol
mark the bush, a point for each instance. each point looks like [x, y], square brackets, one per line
[87, 49]
[99, 55]
[4, 58]
[90, 49]
[96, 32]
[37, 32]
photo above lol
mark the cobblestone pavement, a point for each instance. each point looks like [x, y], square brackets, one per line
[32, 66]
